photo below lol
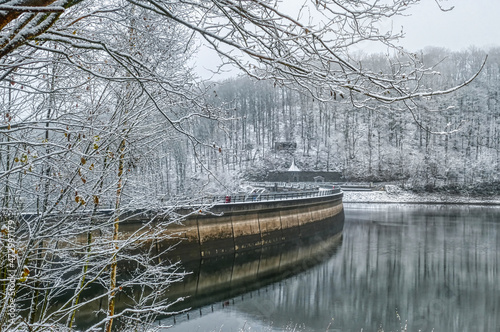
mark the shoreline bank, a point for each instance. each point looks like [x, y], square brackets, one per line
[401, 196]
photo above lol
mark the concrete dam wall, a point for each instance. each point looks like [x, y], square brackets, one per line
[233, 245]
[238, 227]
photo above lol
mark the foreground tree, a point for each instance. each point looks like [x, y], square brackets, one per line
[275, 42]
[71, 146]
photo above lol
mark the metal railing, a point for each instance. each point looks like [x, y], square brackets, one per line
[265, 196]
[292, 185]
[269, 196]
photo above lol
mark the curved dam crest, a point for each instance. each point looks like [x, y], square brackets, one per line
[237, 227]
[231, 227]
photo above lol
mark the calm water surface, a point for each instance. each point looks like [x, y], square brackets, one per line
[429, 268]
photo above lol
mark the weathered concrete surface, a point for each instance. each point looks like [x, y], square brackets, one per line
[233, 230]
[235, 227]
[246, 231]
[244, 226]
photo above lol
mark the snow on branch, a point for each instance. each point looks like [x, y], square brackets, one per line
[25, 9]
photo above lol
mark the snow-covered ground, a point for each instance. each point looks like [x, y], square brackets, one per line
[394, 194]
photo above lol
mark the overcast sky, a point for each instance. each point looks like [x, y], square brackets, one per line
[470, 23]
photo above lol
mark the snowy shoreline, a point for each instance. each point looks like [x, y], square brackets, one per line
[402, 196]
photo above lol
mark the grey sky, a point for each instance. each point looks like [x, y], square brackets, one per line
[470, 23]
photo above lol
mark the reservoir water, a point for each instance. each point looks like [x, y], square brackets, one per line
[395, 267]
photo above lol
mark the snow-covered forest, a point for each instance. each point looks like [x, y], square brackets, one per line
[452, 141]
[101, 111]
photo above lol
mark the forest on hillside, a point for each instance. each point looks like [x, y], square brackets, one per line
[448, 142]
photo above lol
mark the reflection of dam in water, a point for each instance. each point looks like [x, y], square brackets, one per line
[237, 247]
[254, 244]
[222, 278]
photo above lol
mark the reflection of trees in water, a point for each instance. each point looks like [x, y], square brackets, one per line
[437, 268]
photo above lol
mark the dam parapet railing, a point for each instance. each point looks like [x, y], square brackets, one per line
[261, 197]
